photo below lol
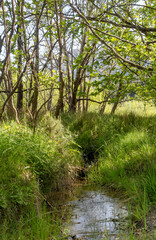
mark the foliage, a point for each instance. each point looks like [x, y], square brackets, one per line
[31, 166]
[42, 226]
[126, 154]
[97, 48]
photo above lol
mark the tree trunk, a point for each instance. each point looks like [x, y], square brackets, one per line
[59, 19]
[118, 97]
[6, 72]
[74, 100]
[36, 70]
[79, 102]
[51, 69]
[69, 74]
[84, 90]
[87, 102]
[35, 93]
[103, 107]
[80, 72]
[19, 43]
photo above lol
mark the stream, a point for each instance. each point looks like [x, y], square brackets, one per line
[95, 214]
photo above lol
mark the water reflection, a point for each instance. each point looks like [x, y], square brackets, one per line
[96, 215]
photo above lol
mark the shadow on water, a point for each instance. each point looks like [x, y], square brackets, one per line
[95, 214]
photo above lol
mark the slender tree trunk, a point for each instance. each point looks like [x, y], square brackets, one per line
[79, 102]
[51, 69]
[17, 84]
[80, 72]
[69, 74]
[8, 39]
[84, 90]
[35, 93]
[74, 101]
[78, 78]
[59, 19]
[103, 107]
[6, 72]
[117, 97]
[87, 102]
[72, 72]
[36, 70]
[19, 43]
[104, 104]
[88, 89]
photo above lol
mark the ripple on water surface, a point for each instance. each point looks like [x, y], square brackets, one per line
[97, 216]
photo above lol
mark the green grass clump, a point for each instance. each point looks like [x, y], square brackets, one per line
[129, 164]
[126, 148]
[31, 166]
[41, 226]
[50, 157]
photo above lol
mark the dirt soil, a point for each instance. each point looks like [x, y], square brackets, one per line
[151, 221]
[150, 227]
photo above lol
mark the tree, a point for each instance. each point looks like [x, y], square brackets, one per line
[20, 47]
[133, 49]
[59, 23]
[77, 52]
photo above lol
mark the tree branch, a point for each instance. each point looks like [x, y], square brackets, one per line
[106, 44]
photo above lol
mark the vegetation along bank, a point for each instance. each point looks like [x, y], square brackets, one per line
[114, 151]
[77, 99]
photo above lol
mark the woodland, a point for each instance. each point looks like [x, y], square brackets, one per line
[66, 69]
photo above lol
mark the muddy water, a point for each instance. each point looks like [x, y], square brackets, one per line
[96, 214]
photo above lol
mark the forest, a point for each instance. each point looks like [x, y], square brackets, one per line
[77, 107]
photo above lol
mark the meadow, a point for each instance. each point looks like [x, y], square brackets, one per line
[120, 154]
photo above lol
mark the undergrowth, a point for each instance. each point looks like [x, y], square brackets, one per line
[124, 149]
[31, 166]
[33, 226]
[126, 158]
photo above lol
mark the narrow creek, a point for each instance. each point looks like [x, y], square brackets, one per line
[95, 214]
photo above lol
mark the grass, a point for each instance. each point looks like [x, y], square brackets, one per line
[125, 147]
[145, 109]
[43, 226]
[139, 108]
[31, 167]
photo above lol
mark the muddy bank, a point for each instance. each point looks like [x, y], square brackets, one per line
[150, 231]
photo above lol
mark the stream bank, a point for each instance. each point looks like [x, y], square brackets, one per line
[119, 152]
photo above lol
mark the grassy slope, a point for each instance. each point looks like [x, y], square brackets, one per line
[126, 146]
[31, 166]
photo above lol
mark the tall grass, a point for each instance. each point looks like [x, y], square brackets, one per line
[32, 166]
[137, 107]
[126, 147]
[33, 226]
